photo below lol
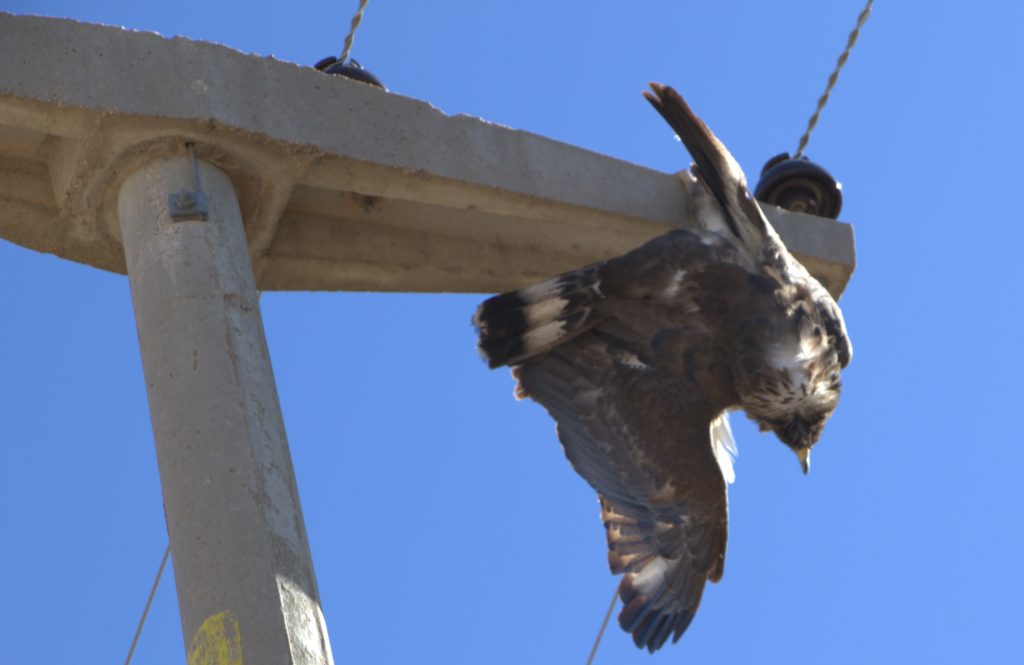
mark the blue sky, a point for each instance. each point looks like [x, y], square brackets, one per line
[445, 524]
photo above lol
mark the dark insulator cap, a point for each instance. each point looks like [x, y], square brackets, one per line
[799, 185]
[351, 69]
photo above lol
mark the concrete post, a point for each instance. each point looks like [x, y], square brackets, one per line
[246, 587]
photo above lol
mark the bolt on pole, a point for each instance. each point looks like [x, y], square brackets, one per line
[246, 587]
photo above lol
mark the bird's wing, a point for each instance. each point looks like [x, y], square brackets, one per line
[717, 169]
[653, 287]
[641, 436]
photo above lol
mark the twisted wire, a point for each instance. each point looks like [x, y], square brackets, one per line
[356, 20]
[861, 20]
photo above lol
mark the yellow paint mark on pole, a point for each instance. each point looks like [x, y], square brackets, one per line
[217, 642]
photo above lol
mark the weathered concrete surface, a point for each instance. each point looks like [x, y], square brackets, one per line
[341, 185]
[241, 558]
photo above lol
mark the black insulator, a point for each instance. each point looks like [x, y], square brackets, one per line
[799, 185]
[350, 69]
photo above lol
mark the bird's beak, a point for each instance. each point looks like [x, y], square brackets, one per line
[804, 455]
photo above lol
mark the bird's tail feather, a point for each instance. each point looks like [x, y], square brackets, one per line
[519, 324]
[660, 588]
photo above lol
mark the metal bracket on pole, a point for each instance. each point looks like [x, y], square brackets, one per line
[189, 206]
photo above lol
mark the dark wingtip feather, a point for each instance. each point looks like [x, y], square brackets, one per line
[650, 628]
[651, 620]
[498, 352]
[498, 320]
[496, 305]
[632, 613]
[684, 622]
[516, 325]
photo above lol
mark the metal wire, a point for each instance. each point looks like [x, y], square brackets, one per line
[149, 601]
[604, 624]
[861, 20]
[356, 20]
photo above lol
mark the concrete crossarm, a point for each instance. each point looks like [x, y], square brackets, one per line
[341, 185]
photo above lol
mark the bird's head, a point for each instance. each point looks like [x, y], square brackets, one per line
[796, 400]
[799, 432]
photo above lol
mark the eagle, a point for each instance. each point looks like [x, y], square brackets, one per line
[640, 358]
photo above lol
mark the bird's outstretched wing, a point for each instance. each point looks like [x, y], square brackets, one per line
[641, 437]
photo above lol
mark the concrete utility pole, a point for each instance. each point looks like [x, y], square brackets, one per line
[241, 556]
[311, 182]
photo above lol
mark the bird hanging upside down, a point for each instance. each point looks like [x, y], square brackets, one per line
[640, 358]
